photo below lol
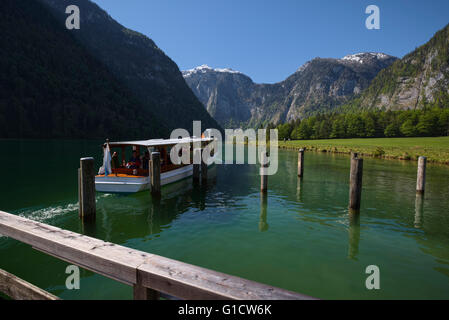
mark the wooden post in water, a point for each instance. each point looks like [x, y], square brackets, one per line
[196, 166]
[155, 173]
[421, 178]
[263, 225]
[263, 175]
[355, 184]
[86, 189]
[204, 167]
[301, 162]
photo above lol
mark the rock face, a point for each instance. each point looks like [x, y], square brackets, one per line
[135, 59]
[418, 79]
[233, 99]
[225, 93]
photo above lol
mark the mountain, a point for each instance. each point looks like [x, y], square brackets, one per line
[232, 98]
[418, 79]
[135, 59]
[225, 93]
[51, 87]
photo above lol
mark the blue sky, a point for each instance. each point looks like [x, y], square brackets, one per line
[268, 40]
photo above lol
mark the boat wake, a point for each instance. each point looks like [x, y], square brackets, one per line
[45, 214]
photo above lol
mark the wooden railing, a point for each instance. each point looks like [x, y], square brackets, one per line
[149, 274]
[18, 289]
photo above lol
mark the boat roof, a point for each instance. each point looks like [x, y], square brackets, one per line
[160, 142]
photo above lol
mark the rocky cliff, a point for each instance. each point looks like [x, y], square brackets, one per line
[232, 98]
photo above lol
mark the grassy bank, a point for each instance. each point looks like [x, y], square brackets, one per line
[436, 149]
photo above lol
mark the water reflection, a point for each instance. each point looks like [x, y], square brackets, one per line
[298, 189]
[419, 210]
[141, 215]
[353, 236]
[263, 225]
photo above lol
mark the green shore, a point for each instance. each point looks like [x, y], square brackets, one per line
[436, 149]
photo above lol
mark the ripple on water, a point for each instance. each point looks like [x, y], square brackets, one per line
[49, 213]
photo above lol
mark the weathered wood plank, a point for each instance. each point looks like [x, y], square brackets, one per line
[142, 293]
[18, 289]
[186, 281]
[135, 267]
[106, 258]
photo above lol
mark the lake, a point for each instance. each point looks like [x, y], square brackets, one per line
[300, 239]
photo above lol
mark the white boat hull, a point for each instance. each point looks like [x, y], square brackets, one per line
[113, 184]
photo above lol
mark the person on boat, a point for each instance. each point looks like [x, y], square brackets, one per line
[145, 160]
[115, 164]
[101, 170]
[134, 162]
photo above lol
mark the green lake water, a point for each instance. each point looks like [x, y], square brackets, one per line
[300, 239]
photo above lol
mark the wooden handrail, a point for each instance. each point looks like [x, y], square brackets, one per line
[150, 274]
[19, 289]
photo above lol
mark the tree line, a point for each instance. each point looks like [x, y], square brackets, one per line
[427, 122]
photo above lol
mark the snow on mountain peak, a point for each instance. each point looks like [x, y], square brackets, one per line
[359, 57]
[303, 67]
[205, 68]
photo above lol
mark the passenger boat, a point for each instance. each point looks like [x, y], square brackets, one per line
[127, 178]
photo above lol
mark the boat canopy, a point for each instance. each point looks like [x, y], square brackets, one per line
[160, 142]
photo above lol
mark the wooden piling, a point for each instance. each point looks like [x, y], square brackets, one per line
[86, 189]
[204, 167]
[143, 293]
[421, 176]
[301, 162]
[155, 173]
[263, 175]
[263, 225]
[355, 184]
[196, 166]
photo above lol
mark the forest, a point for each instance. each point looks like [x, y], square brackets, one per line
[426, 122]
